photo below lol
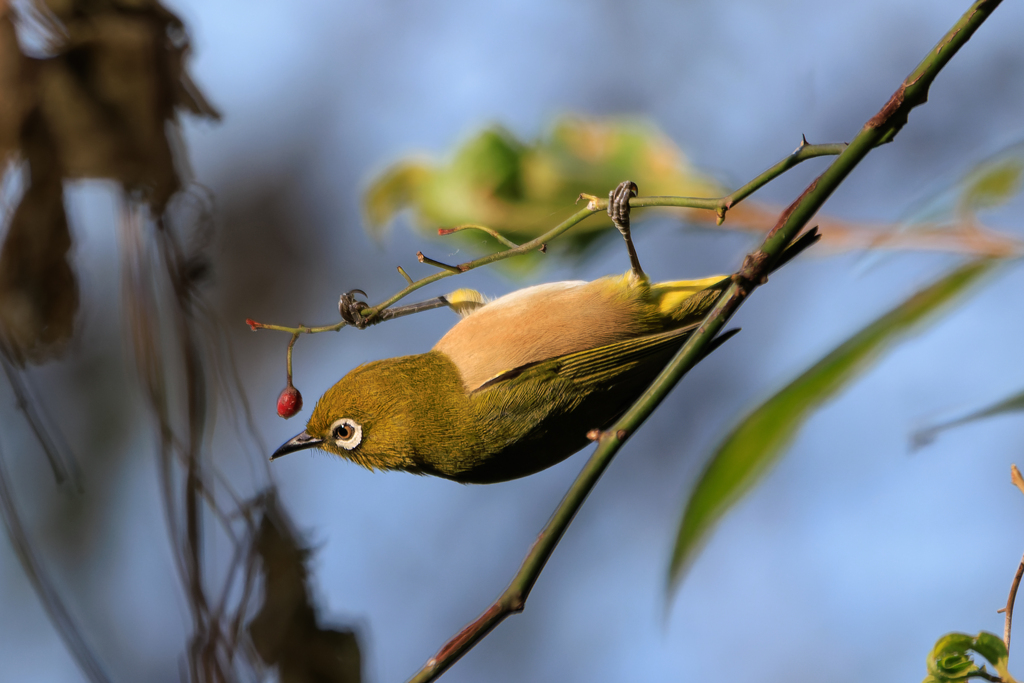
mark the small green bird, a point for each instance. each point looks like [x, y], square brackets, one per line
[518, 383]
[515, 386]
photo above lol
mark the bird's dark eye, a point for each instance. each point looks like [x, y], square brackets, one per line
[347, 433]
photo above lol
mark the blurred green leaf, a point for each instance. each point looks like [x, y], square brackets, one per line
[1012, 404]
[992, 183]
[992, 648]
[950, 659]
[522, 189]
[393, 190]
[758, 441]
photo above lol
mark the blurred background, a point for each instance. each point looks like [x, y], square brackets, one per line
[849, 560]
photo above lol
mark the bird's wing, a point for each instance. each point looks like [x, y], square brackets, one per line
[603, 363]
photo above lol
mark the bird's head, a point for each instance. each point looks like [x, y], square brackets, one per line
[376, 415]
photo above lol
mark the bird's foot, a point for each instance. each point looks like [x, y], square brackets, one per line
[618, 210]
[351, 309]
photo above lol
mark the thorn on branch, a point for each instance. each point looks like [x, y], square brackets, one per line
[592, 201]
[599, 435]
[437, 264]
[405, 274]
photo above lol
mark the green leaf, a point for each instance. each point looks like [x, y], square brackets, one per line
[1011, 404]
[391, 192]
[523, 188]
[756, 443]
[992, 648]
[950, 659]
[992, 183]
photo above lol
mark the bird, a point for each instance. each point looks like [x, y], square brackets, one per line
[519, 382]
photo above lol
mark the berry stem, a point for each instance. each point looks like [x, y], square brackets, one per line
[291, 343]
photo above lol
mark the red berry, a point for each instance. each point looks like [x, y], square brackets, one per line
[289, 402]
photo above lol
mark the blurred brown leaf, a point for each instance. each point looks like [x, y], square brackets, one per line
[286, 632]
[103, 106]
[18, 98]
[38, 290]
[110, 96]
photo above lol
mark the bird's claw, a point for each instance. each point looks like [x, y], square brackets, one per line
[350, 309]
[618, 205]
[618, 211]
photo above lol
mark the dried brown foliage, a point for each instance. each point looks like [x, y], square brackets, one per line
[102, 102]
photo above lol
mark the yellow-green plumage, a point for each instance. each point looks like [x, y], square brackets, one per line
[516, 385]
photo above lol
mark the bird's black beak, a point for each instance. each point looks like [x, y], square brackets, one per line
[297, 443]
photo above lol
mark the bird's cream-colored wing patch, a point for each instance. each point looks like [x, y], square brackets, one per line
[541, 322]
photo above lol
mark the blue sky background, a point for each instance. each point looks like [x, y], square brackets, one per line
[846, 564]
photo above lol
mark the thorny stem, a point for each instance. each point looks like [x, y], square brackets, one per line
[594, 205]
[722, 204]
[879, 129]
[802, 153]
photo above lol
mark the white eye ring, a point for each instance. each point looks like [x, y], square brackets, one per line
[347, 433]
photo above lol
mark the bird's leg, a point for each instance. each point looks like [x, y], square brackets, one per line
[618, 210]
[351, 309]
[409, 309]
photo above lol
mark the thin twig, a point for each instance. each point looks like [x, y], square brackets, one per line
[423, 282]
[721, 205]
[879, 129]
[60, 456]
[803, 152]
[49, 597]
[594, 205]
[470, 226]
[962, 237]
[437, 264]
[1018, 481]
[1009, 604]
